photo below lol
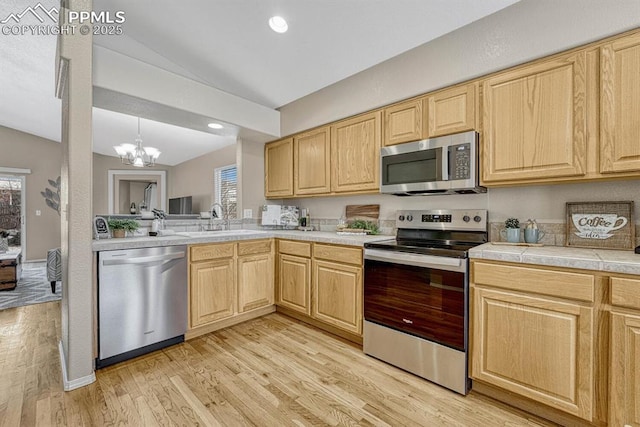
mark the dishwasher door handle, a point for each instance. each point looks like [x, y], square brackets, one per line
[144, 259]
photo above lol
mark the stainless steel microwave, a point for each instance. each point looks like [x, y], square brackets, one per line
[443, 165]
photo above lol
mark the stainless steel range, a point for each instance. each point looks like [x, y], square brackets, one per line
[416, 294]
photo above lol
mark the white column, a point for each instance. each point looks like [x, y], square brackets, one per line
[74, 86]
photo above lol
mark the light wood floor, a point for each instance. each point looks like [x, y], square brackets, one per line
[271, 371]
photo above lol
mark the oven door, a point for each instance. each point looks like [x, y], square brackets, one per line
[421, 295]
[413, 167]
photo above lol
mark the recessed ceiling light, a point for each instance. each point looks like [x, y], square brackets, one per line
[278, 24]
[215, 125]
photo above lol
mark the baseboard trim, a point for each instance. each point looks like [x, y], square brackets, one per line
[349, 336]
[77, 383]
[229, 321]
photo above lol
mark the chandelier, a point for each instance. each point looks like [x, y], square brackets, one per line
[135, 154]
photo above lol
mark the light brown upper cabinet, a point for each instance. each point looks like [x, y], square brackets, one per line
[403, 122]
[278, 168]
[620, 105]
[534, 121]
[355, 153]
[451, 110]
[312, 160]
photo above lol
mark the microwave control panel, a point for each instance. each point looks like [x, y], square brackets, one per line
[460, 161]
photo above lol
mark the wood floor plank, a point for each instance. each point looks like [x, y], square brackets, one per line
[200, 410]
[43, 412]
[147, 417]
[271, 371]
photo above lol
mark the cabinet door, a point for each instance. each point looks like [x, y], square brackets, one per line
[620, 106]
[625, 370]
[294, 283]
[337, 295]
[278, 168]
[212, 290]
[312, 162]
[534, 120]
[536, 347]
[451, 111]
[355, 154]
[403, 122]
[255, 282]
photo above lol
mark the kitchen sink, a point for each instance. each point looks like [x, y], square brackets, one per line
[217, 233]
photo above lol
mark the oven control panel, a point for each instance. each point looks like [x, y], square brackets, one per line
[441, 219]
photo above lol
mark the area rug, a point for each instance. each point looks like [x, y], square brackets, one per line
[32, 288]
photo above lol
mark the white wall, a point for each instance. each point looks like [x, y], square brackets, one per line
[519, 33]
[251, 176]
[546, 203]
[195, 177]
[527, 30]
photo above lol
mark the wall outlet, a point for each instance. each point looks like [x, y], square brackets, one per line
[247, 214]
[38, 212]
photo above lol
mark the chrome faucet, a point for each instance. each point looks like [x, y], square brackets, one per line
[212, 210]
[214, 215]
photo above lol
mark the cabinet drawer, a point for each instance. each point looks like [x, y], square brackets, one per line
[625, 292]
[220, 250]
[294, 248]
[254, 247]
[338, 253]
[539, 280]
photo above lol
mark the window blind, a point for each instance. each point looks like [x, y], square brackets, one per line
[226, 189]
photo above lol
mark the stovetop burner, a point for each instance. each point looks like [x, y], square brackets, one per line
[448, 233]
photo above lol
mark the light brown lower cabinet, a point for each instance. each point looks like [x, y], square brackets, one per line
[625, 352]
[625, 370]
[322, 284]
[255, 282]
[294, 283]
[537, 347]
[212, 290]
[535, 334]
[337, 295]
[229, 283]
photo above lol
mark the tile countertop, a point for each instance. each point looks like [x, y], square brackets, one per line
[626, 262]
[228, 236]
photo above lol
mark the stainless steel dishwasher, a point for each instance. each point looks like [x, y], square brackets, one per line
[142, 301]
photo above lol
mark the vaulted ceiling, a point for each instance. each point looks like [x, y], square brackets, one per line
[226, 44]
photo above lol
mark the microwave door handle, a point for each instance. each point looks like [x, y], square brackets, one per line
[444, 158]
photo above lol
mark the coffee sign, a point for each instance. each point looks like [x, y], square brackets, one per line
[596, 226]
[601, 225]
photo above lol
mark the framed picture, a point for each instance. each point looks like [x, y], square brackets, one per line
[601, 225]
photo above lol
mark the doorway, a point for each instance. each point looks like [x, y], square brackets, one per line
[12, 208]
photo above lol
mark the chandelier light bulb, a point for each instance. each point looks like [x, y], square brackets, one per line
[135, 155]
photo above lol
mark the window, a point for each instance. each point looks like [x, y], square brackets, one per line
[225, 184]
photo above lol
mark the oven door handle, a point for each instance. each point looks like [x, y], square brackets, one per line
[417, 260]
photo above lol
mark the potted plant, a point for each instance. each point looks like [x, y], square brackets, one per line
[368, 227]
[511, 230]
[119, 227]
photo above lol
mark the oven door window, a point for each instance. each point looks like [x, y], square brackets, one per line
[425, 302]
[414, 167]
